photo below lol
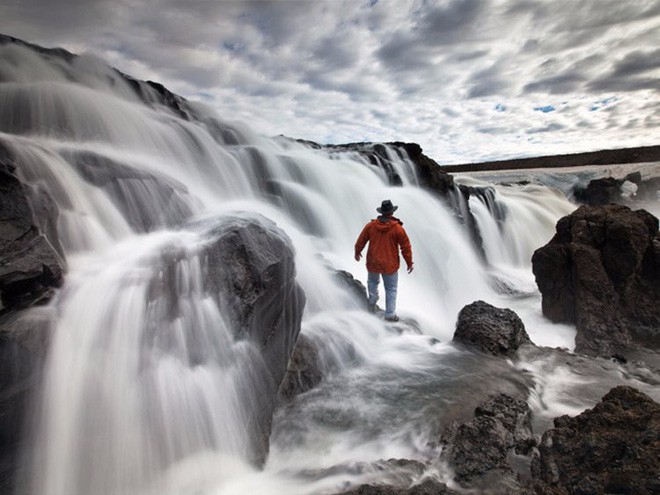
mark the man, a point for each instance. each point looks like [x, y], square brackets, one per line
[385, 236]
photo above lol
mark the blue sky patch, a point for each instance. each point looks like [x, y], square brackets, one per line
[500, 108]
[545, 109]
[603, 103]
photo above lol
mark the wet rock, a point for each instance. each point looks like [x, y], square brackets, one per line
[251, 266]
[600, 191]
[620, 191]
[354, 286]
[601, 271]
[430, 174]
[495, 331]
[251, 270]
[148, 201]
[151, 93]
[18, 377]
[30, 268]
[427, 487]
[612, 448]
[303, 371]
[480, 451]
[400, 477]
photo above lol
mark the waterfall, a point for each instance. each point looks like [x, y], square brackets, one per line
[137, 400]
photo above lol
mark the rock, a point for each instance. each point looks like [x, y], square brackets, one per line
[480, 450]
[426, 487]
[601, 271]
[147, 201]
[30, 268]
[150, 93]
[461, 205]
[354, 286]
[251, 270]
[612, 448]
[18, 376]
[429, 172]
[251, 266]
[303, 371]
[649, 189]
[492, 330]
[400, 477]
[600, 191]
[621, 191]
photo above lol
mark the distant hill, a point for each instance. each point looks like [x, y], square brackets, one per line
[603, 157]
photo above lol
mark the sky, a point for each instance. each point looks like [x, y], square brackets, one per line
[469, 80]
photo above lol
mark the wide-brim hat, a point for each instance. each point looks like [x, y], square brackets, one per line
[386, 207]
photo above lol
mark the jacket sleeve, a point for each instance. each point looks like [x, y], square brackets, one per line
[362, 239]
[406, 248]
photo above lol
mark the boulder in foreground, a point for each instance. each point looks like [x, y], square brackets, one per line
[495, 331]
[612, 448]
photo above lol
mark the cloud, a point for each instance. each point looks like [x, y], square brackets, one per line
[432, 71]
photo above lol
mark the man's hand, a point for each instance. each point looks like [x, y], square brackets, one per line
[410, 268]
[358, 256]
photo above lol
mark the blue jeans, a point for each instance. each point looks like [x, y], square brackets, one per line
[390, 281]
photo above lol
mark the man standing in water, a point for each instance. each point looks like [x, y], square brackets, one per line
[385, 236]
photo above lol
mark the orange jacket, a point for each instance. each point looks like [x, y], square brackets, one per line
[385, 236]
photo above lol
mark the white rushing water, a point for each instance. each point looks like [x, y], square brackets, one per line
[140, 398]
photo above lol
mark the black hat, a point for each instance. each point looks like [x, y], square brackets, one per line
[386, 207]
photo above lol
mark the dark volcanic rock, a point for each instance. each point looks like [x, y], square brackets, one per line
[600, 191]
[427, 487]
[303, 371]
[480, 450]
[251, 266]
[18, 376]
[147, 201]
[354, 286]
[30, 270]
[610, 190]
[400, 477]
[251, 270]
[601, 271]
[29, 266]
[491, 330]
[149, 92]
[612, 448]
[430, 174]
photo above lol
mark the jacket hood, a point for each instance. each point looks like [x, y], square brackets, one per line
[384, 223]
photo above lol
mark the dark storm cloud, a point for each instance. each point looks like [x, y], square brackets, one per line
[487, 82]
[560, 84]
[444, 25]
[403, 52]
[633, 72]
[433, 28]
[637, 62]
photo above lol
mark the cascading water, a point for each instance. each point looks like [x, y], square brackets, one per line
[137, 400]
